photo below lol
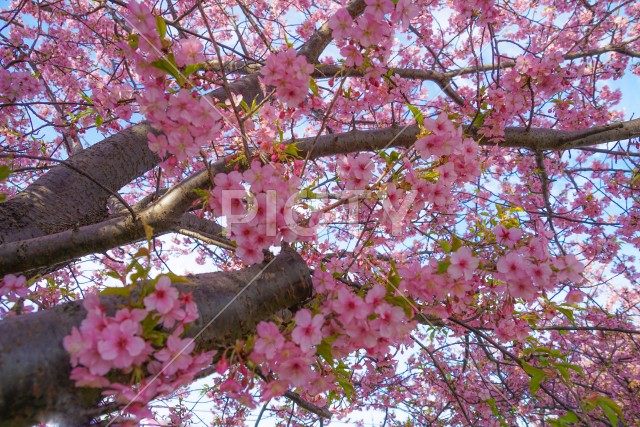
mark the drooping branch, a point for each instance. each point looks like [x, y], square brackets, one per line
[35, 368]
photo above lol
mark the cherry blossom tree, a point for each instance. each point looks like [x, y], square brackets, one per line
[428, 209]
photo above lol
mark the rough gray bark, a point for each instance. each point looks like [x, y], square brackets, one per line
[35, 368]
[62, 198]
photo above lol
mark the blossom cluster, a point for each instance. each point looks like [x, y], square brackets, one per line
[524, 273]
[18, 85]
[289, 74]
[128, 342]
[188, 121]
[543, 77]
[484, 10]
[355, 170]
[444, 139]
[13, 286]
[344, 319]
[265, 216]
[13, 289]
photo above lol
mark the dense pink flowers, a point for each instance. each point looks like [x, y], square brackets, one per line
[120, 344]
[269, 341]
[104, 343]
[289, 73]
[355, 171]
[14, 286]
[341, 24]
[18, 85]
[507, 236]
[266, 215]
[442, 138]
[189, 52]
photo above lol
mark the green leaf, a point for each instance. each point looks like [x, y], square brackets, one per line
[417, 114]
[192, 68]
[443, 266]
[492, 403]
[4, 172]
[456, 243]
[324, 350]
[446, 246]
[161, 26]
[537, 375]
[401, 302]
[610, 409]
[563, 371]
[85, 97]
[568, 312]
[347, 387]
[534, 384]
[157, 338]
[114, 275]
[176, 278]
[142, 253]
[292, 150]
[576, 368]
[479, 120]
[133, 41]
[168, 65]
[149, 324]
[306, 193]
[123, 292]
[314, 87]
[99, 120]
[570, 417]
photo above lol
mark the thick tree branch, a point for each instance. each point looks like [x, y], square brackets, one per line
[164, 214]
[35, 368]
[62, 198]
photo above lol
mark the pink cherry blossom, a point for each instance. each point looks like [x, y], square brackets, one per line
[119, 343]
[507, 236]
[15, 285]
[307, 332]
[189, 52]
[269, 340]
[164, 298]
[341, 24]
[463, 263]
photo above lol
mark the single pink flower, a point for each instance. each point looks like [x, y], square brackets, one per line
[307, 332]
[269, 341]
[119, 344]
[463, 263]
[163, 298]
